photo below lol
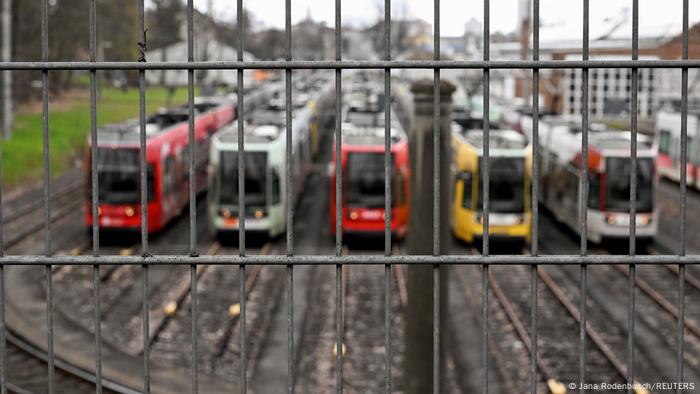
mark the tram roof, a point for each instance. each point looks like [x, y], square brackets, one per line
[263, 126]
[369, 135]
[565, 141]
[618, 140]
[498, 139]
[256, 134]
[128, 132]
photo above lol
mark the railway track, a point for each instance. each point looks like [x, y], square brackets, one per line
[219, 316]
[25, 363]
[659, 285]
[558, 345]
[27, 206]
[28, 219]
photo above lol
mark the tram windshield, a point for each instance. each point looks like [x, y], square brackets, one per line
[506, 185]
[255, 172]
[364, 177]
[617, 184]
[119, 177]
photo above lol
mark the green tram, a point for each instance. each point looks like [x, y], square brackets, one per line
[264, 172]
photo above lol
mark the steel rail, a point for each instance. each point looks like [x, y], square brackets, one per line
[595, 336]
[30, 230]
[661, 301]
[497, 356]
[521, 331]
[65, 366]
[400, 277]
[690, 279]
[22, 211]
[159, 320]
[250, 280]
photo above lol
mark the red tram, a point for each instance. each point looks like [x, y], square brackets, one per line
[362, 168]
[167, 157]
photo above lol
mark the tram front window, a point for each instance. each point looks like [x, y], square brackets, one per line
[617, 184]
[119, 176]
[506, 187]
[255, 171]
[365, 180]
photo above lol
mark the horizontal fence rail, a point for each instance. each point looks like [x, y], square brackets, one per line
[352, 64]
[352, 259]
[485, 260]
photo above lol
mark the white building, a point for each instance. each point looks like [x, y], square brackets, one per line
[209, 50]
[609, 89]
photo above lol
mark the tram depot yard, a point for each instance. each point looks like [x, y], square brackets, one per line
[356, 229]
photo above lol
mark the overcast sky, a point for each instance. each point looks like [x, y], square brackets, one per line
[654, 14]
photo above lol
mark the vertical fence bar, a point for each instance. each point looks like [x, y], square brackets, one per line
[96, 283]
[290, 201]
[145, 330]
[3, 342]
[193, 312]
[633, 198]
[47, 190]
[243, 343]
[534, 246]
[436, 198]
[193, 198]
[338, 205]
[485, 210]
[338, 135]
[241, 200]
[684, 160]
[144, 202]
[388, 169]
[191, 141]
[583, 199]
[142, 141]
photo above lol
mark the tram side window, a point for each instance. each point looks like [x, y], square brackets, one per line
[275, 187]
[466, 178]
[202, 154]
[169, 176]
[593, 191]
[398, 193]
[665, 142]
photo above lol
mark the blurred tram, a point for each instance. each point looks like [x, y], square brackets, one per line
[609, 167]
[167, 157]
[509, 185]
[362, 169]
[265, 170]
[667, 138]
[362, 166]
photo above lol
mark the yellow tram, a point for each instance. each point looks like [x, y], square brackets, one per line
[510, 164]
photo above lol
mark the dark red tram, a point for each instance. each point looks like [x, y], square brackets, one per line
[167, 157]
[362, 169]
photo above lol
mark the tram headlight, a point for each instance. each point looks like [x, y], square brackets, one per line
[611, 219]
[129, 211]
[259, 213]
[226, 213]
[353, 215]
[644, 220]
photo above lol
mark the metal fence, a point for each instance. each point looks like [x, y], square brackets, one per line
[193, 259]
